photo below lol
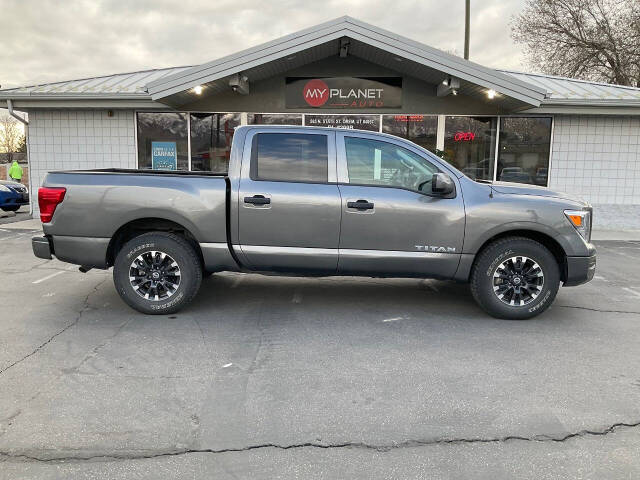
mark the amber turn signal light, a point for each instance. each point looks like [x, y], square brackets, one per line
[576, 220]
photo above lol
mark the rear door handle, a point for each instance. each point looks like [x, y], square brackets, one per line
[360, 205]
[257, 200]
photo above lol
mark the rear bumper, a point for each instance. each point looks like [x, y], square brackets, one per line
[86, 251]
[580, 270]
[41, 247]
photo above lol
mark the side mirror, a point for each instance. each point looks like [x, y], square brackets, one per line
[442, 184]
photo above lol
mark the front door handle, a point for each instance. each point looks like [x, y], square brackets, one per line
[360, 205]
[257, 200]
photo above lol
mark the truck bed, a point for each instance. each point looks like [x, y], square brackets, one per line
[99, 203]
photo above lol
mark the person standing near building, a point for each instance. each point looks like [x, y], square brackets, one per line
[15, 172]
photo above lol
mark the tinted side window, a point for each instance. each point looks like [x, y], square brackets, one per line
[372, 162]
[289, 157]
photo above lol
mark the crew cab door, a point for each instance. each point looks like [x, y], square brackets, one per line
[289, 203]
[391, 222]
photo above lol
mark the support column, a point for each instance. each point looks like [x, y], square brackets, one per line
[440, 133]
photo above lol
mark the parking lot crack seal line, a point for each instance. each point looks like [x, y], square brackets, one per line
[94, 351]
[598, 310]
[4, 455]
[85, 306]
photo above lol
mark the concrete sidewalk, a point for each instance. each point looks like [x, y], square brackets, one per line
[29, 224]
[615, 235]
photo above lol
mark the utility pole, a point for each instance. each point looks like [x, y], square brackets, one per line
[467, 8]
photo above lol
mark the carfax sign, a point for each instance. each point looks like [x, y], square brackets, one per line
[343, 92]
[164, 156]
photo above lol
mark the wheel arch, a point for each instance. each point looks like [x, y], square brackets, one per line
[134, 228]
[545, 239]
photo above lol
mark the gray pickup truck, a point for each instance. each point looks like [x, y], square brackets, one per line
[318, 201]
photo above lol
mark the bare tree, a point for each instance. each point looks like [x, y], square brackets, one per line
[595, 40]
[11, 136]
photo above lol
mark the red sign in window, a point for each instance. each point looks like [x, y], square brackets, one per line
[464, 137]
[408, 118]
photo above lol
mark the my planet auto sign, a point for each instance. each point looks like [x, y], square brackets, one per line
[344, 92]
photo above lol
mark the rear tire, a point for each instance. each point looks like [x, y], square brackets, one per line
[157, 273]
[515, 278]
[12, 208]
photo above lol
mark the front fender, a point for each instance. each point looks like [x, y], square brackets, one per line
[473, 243]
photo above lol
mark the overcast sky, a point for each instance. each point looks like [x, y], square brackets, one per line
[44, 41]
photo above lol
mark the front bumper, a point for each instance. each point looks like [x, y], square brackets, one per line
[41, 247]
[579, 270]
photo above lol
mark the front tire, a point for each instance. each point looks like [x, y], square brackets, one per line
[12, 208]
[157, 273]
[515, 278]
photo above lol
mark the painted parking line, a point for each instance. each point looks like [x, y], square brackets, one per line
[55, 274]
[631, 291]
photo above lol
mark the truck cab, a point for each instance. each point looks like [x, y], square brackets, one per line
[343, 202]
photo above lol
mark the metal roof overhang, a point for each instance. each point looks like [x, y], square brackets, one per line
[29, 100]
[587, 107]
[367, 42]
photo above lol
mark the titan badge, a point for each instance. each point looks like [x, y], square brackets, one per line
[435, 249]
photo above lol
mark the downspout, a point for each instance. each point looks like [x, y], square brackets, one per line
[14, 114]
[26, 134]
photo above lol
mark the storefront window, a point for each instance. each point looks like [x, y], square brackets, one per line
[470, 145]
[420, 129]
[165, 134]
[211, 135]
[361, 122]
[274, 119]
[523, 154]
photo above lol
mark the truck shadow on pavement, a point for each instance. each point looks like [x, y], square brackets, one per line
[386, 299]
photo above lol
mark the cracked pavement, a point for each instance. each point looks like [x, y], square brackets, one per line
[279, 377]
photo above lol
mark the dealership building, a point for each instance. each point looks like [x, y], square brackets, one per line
[575, 136]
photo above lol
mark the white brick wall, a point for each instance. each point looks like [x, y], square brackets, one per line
[598, 159]
[63, 139]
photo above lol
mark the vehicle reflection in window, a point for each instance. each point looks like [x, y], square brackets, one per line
[523, 154]
[470, 145]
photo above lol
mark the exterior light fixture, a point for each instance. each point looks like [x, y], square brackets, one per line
[491, 94]
[449, 86]
[197, 90]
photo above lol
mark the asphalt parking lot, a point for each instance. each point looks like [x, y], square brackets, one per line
[280, 377]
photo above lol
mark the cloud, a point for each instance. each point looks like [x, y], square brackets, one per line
[50, 40]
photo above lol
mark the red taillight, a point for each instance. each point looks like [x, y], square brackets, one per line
[48, 200]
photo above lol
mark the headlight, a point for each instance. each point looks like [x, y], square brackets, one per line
[581, 220]
[4, 189]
